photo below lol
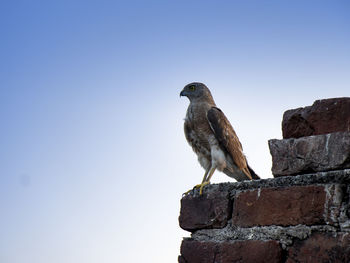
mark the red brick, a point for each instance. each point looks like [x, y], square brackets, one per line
[250, 251]
[324, 116]
[287, 206]
[210, 210]
[197, 252]
[254, 251]
[321, 247]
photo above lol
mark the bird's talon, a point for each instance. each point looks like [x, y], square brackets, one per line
[200, 186]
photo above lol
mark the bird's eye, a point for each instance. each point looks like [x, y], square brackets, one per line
[192, 88]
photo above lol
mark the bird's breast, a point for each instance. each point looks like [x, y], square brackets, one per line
[197, 131]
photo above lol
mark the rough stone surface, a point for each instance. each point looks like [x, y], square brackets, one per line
[201, 252]
[324, 116]
[333, 221]
[330, 177]
[310, 154]
[210, 210]
[285, 235]
[214, 208]
[227, 252]
[286, 206]
[321, 247]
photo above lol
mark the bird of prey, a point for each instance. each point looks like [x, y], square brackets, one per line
[212, 137]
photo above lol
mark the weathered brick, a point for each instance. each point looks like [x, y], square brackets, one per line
[255, 251]
[310, 154]
[321, 247]
[210, 210]
[249, 251]
[287, 206]
[324, 116]
[195, 251]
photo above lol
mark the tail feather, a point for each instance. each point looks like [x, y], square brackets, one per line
[240, 175]
[253, 174]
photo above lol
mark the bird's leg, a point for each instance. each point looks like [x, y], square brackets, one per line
[211, 172]
[199, 185]
[204, 178]
[207, 179]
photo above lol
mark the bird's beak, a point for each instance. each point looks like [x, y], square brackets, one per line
[182, 93]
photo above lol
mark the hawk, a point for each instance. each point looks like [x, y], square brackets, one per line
[212, 137]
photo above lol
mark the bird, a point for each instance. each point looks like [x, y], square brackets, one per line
[212, 137]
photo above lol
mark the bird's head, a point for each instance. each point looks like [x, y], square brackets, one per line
[197, 91]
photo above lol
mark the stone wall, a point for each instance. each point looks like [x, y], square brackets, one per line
[302, 215]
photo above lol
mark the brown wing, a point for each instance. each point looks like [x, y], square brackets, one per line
[227, 137]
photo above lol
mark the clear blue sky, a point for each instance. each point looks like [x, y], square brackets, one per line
[93, 160]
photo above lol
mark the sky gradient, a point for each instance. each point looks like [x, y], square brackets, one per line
[93, 159]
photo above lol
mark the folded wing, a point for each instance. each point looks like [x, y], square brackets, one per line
[227, 138]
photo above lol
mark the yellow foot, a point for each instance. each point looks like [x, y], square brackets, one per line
[200, 186]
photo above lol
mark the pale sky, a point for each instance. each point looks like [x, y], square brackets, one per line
[93, 156]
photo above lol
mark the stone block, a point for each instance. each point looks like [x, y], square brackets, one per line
[212, 209]
[289, 206]
[324, 116]
[254, 251]
[310, 154]
[321, 247]
[194, 251]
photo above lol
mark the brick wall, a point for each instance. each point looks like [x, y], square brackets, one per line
[301, 215]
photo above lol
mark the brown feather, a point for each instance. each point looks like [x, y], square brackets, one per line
[197, 128]
[227, 138]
